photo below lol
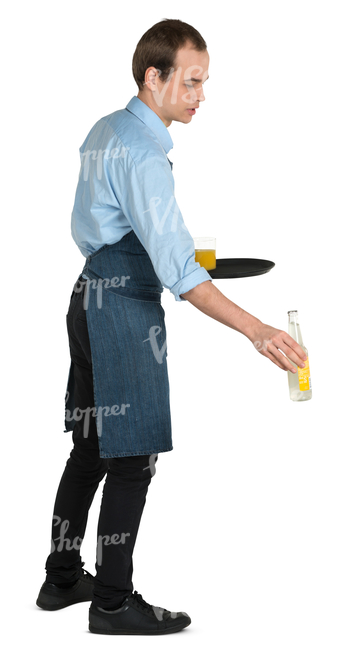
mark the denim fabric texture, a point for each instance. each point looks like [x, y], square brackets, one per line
[127, 333]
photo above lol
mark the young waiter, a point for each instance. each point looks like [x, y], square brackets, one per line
[128, 226]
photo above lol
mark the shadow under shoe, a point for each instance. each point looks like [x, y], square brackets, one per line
[136, 616]
[52, 597]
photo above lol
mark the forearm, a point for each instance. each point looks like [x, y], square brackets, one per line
[207, 298]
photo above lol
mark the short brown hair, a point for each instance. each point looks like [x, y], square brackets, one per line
[159, 45]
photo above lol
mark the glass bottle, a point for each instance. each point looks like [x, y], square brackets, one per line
[300, 383]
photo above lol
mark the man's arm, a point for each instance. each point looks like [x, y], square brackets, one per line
[266, 339]
[148, 203]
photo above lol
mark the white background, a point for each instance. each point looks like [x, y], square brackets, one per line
[245, 526]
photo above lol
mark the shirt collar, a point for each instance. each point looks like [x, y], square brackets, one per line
[149, 117]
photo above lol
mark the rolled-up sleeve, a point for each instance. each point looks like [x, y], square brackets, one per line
[148, 203]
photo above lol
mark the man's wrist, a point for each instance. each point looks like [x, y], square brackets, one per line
[251, 326]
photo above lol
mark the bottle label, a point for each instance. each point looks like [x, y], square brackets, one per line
[304, 377]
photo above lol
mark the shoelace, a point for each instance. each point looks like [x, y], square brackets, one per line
[140, 600]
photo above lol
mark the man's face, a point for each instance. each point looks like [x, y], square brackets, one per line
[178, 98]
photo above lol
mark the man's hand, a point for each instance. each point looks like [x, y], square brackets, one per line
[267, 340]
[271, 343]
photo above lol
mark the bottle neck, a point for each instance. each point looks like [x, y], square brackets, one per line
[294, 327]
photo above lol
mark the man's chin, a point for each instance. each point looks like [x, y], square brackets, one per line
[184, 119]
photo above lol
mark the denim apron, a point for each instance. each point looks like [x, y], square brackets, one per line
[127, 335]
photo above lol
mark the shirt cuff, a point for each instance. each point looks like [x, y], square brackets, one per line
[189, 282]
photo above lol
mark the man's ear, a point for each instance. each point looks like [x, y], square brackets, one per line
[150, 78]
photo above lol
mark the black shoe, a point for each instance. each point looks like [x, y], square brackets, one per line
[52, 597]
[135, 616]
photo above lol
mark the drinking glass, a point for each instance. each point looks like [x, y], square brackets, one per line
[205, 252]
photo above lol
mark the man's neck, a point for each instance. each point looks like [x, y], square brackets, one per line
[150, 102]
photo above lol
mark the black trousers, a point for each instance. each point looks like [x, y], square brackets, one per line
[124, 493]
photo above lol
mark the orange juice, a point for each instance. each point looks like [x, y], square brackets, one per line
[206, 258]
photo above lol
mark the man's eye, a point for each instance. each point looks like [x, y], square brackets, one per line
[188, 86]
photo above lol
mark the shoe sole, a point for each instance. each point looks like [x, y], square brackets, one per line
[169, 630]
[50, 599]
[52, 606]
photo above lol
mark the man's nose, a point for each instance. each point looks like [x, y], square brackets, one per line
[200, 95]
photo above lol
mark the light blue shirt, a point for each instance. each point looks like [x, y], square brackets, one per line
[126, 183]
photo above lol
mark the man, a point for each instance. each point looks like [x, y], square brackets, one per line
[128, 226]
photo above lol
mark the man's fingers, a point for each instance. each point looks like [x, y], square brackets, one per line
[283, 346]
[280, 348]
[273, 359]
[277, 357]
[289, 341]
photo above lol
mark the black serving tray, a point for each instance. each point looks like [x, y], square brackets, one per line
[240, 267]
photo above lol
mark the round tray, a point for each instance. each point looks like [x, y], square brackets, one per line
[240, 267]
